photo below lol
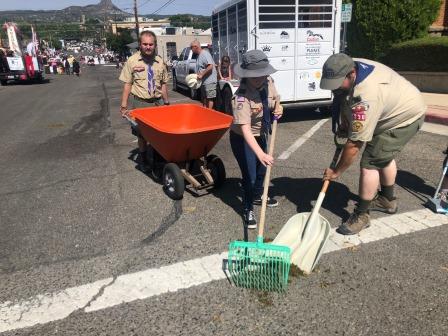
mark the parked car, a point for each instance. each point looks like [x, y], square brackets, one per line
[185, 65]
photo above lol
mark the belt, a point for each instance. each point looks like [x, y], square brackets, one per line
[150, 100]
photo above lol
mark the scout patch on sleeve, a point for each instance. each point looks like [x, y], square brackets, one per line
[240, 99]
[357, 126]
[359, 111]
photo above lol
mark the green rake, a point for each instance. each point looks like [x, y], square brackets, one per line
[257, 264]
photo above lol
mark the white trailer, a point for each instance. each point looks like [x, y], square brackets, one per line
[297, 36]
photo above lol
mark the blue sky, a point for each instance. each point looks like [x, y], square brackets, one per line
[202, 7]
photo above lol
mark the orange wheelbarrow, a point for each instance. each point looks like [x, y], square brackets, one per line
[180, 137]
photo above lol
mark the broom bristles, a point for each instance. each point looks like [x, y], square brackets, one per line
[259, 266]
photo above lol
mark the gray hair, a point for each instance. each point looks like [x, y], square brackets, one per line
[195, 43]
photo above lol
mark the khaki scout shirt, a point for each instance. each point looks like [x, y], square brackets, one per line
[139, 80]
[384, 100]
[248, 109]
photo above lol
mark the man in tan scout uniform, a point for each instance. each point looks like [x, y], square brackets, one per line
[378, 108]
[145, 78]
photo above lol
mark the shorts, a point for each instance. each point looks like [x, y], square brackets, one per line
[383, 147]
[137, 103]
[208, 91]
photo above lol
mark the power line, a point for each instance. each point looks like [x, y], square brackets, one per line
[169, 2]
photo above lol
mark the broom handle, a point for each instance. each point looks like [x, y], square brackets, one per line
[267, 179]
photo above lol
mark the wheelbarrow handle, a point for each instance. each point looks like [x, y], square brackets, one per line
[131, 121]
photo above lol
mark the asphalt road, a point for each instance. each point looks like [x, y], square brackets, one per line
[74, 210]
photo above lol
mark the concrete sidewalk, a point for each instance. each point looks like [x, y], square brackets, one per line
[437, 108]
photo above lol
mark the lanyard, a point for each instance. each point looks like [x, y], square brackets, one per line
[266, 111]
[151, 81]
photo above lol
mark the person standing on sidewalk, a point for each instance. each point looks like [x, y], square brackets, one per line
[254, 102]
[145, 79]
[206, 71]
[378, 108]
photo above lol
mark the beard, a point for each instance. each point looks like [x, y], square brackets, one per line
[344, 91]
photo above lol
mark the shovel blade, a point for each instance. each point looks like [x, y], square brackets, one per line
[305, 253]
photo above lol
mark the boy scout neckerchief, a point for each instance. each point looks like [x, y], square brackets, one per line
[151, 81]
[363, 70]
[266, 112]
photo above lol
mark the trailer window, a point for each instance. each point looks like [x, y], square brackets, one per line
[315, 14]
[276, 14]
[215, 31]
[223, 32]
[242, 30]
[277, 2]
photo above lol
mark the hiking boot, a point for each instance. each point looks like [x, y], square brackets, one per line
[358, 221]
[381, 203]
[249, 219]
[443, 199]
[271, 203]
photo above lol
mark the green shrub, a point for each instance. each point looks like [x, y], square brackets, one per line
[377, 24]
[423, 54]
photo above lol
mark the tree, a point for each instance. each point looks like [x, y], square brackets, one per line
[377, 24]
[188, 20]
[118, 42]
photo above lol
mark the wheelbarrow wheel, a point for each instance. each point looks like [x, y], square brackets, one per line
[173, 181]
[217, 170]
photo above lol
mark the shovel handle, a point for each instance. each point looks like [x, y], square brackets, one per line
[267, 179]
[325, 186]
[333, 163]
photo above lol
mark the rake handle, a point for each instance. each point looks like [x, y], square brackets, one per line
[267, 179]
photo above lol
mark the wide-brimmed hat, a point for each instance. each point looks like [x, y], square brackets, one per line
[193, 82]
[335, 69]
[255, 63]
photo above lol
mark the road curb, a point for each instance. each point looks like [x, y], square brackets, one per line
[437, 114]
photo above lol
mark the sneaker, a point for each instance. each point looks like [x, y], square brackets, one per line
[249, 219]
[358, 221]
[381, 203]
[271, 203]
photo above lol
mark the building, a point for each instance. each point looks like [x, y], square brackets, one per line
[440, 26]
[174, 39]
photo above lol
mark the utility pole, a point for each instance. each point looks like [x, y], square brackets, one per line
[137, 28]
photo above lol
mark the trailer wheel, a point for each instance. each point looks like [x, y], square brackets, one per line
[173, 181]
[3, 82]
[226, 101]
[217, 170]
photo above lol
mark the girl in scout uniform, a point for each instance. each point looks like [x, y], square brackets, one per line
[253, 105]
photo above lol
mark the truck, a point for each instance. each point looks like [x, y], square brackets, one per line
[185, 65]
[297, 36]
[18, 63]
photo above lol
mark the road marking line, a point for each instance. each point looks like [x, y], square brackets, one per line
[47, 307]
[145, 284]
[300, 141]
